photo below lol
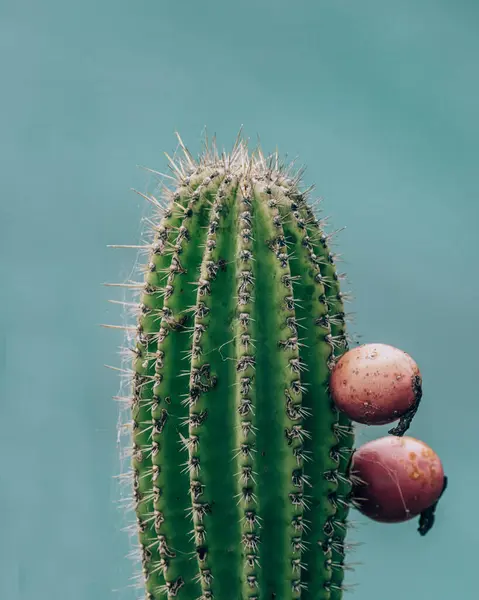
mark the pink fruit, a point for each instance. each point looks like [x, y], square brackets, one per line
[375, 384]
[396, 478]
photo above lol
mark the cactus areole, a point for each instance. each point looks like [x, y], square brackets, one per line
[239, 456]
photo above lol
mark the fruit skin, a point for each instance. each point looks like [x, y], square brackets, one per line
[396, 478]
[239, 457]
[375, 384]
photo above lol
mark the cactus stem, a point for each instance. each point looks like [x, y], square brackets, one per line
[238, 262]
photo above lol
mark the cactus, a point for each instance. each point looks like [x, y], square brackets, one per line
[239, 457]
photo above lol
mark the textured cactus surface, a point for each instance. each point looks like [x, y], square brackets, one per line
[239, 458]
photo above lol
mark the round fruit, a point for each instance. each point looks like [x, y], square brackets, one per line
[395, 478]
[375, 384]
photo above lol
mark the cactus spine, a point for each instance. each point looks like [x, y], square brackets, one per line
[239, 457]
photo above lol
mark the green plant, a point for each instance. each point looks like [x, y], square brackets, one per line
[239, 456]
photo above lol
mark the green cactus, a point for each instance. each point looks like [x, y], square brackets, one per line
[239, 458]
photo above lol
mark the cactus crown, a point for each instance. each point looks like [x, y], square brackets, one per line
[239, 458]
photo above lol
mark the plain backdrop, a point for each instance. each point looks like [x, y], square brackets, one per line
[378, 98]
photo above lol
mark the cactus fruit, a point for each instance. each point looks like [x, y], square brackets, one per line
[239, 457]
[396, 478]
[376, 384]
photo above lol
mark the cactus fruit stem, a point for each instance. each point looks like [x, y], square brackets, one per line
[428, 516]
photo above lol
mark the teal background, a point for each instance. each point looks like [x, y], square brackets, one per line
[378, 98]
